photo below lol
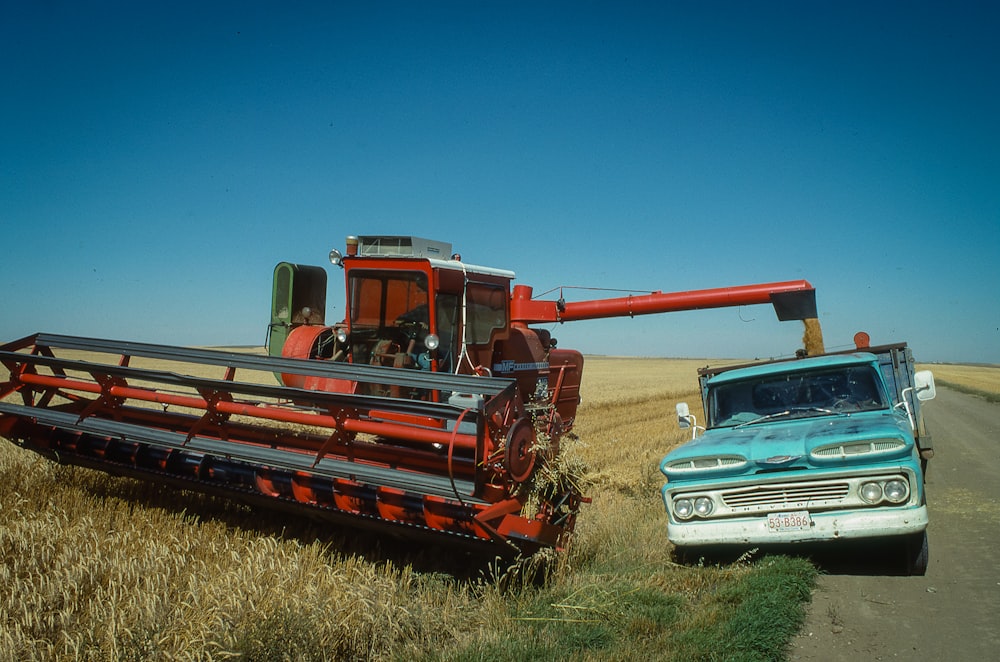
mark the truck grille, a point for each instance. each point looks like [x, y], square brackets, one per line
[786, 496]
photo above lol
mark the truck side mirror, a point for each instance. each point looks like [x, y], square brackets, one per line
[923, 385]
[685, 419]
[683, 415]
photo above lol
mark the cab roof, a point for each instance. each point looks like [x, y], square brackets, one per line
[779, 367]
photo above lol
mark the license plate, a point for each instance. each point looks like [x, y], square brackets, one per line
[793, 521]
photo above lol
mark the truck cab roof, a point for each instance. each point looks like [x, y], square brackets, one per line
[812, 363]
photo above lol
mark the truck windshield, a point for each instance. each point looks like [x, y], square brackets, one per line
[842, 390]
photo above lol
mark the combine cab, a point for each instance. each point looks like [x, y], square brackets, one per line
[433, 408]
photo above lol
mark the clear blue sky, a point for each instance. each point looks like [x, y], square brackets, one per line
[157, 161]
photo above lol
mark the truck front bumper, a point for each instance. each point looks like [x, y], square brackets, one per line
[833, 525]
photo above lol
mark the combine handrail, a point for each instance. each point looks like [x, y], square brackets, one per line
[445, 381]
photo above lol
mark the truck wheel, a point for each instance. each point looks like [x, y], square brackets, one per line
[916, 554]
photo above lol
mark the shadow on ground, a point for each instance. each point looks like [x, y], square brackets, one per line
[838, 558]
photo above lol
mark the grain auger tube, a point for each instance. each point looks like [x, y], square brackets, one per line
[433, 408]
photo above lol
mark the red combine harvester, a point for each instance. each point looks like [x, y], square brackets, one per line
[433, 408]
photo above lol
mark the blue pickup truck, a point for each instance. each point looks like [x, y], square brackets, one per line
[813, 449]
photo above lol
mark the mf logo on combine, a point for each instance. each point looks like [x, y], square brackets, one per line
[508, 366]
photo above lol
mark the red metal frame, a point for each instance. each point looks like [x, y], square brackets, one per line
[528, 311]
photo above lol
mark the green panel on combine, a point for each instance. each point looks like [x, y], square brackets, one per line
[298, 296]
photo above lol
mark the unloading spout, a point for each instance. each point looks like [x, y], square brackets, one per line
[792, 300]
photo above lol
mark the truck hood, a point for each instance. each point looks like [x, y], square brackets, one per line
[786, 444]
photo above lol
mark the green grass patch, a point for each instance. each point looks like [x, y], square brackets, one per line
[745, 612]
[588, 617]
[752, 618]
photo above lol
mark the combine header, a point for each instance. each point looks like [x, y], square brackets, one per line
[433, 408]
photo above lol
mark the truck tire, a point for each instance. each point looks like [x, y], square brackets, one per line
[915, 554]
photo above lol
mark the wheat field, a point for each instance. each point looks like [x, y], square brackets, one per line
[983, 378]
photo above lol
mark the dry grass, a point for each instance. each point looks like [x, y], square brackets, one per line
[983, 378]
[627, 421]
[92, 576]
[613, 380]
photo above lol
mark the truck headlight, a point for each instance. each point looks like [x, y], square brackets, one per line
[688, 507]
[896, 490]
[893, 490]
[703, 506]
[871, 492]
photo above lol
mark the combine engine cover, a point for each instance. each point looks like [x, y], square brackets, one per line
[214, 421]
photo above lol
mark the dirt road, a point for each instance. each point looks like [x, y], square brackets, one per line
[952, 613]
